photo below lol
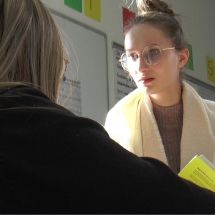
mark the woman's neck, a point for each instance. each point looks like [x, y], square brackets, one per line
[168, 98]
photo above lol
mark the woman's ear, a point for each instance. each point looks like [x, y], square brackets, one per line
[183, 57]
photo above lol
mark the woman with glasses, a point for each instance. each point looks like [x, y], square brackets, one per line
[53, 162]
[164, 117]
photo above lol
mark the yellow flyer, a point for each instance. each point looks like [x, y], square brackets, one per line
[200, 171]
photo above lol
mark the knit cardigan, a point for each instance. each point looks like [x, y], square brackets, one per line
[198, 132]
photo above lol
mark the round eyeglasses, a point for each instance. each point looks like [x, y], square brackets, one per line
[151, 55]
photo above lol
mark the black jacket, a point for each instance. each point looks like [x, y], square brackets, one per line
[52, 161]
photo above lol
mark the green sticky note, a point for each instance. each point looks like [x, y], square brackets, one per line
[75, 4]
[210, 69]
[189, 63]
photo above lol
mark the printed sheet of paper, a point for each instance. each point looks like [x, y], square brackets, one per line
[70, 96]
[123, 83]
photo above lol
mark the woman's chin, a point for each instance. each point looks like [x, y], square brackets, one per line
[144, 89]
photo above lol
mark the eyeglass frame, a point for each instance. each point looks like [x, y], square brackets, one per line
[66, 62]
[164, 49]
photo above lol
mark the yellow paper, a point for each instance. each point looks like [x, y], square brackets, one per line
[210, 69]
[92, 9]
[200, 171]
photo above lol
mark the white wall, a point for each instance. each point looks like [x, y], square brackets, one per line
[197, 21]
[198, 24]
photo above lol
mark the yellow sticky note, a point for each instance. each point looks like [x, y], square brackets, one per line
[92, 9]
[210, 68]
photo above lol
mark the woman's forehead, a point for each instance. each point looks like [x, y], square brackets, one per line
[144, 35]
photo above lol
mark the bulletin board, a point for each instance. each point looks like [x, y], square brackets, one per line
[84, 90]
[124, 85]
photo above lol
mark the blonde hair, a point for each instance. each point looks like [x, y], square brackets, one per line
[31, 50]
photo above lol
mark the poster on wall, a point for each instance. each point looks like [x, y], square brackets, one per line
[210, 69]
[123, 83]
[75, 4]
[127, 16]
[92, 9]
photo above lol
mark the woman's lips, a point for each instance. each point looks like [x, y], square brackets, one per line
[146, 80]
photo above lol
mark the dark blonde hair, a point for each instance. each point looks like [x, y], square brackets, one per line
[31, 50]
[160, 15]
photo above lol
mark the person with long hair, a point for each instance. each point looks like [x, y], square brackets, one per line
[164, 117]
[54, 162]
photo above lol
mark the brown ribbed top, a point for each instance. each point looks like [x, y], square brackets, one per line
[170, 121]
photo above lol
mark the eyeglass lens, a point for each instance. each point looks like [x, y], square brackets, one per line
[150, 54]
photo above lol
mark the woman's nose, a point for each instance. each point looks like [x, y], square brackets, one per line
[141, 65]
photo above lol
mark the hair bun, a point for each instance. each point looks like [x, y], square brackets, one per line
[145, 6]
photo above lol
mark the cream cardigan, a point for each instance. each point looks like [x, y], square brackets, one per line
[198, 132]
